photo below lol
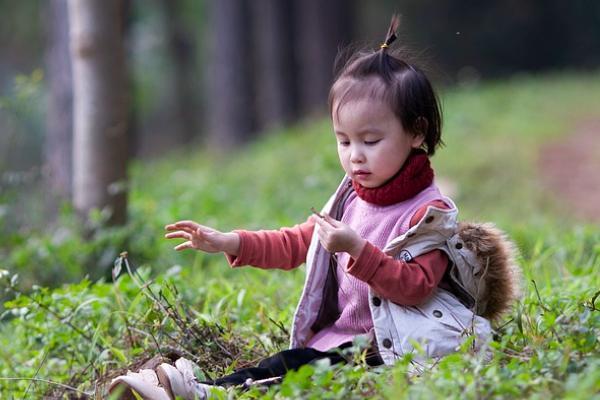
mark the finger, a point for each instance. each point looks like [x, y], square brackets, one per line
[321, 233]
[175, 227]
[324, 242]
[329, 220]
[187, 224]
[318, 221]
[189, 229]
[323, 237]
[323, 223]
[183, 246]
[179, 235]
[332, 221]
[324, 230]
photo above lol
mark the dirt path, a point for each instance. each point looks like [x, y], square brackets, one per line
[570, 168]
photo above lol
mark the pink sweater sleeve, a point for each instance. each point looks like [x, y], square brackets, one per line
[285, 248]
[405, 283]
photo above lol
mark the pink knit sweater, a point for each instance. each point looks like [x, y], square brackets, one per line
[377, 224]
[402, 282]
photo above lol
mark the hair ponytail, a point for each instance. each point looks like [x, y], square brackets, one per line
[391, 34]
[387, 64]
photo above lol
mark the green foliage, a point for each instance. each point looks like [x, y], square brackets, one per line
[85, 332]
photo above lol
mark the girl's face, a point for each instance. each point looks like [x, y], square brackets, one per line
[372, 144]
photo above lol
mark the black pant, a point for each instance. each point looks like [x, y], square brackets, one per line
[291, 360]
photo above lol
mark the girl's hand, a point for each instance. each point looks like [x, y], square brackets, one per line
[203, 238]
[336, 236]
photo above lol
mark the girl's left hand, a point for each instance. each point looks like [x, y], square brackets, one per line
[336, 236]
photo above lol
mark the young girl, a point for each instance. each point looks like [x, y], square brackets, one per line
[384, 260]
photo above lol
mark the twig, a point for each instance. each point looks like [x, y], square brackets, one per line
[182, 321]
[259, 340]
[36, 372]
[517, 355]
[592, 302]
[50, 382]
[505, 324]
[318, 214]
[538, 296]
[145, 286]
[156, 343]
[123, 314]
[545, 309]
[83, 372]
[280, 325]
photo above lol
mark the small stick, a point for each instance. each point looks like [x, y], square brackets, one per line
[318, 214]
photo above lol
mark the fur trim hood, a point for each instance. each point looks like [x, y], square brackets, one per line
[499, 276]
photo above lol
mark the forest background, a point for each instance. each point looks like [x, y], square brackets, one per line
[117, 117]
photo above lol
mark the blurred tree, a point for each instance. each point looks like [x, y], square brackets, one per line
[323, 27]
[100, 107]
[133, 130]
[230, 97]
[277, 94]
[181, 51]
[289, 71]
[58, 145]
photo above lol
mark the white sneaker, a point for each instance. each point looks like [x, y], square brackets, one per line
[144, 383]
[180, 381]
[171, 380]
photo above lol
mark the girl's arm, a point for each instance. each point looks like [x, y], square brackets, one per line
[285, 248]
[405, 283]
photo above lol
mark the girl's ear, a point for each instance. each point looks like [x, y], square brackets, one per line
[420, 129]
[417, 140]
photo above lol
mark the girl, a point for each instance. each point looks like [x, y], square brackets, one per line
[378, 255]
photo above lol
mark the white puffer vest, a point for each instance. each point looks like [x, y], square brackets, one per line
[430, 330]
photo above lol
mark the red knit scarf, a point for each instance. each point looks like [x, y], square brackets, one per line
[415, 175]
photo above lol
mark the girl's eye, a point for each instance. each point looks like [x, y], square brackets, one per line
[344, 143]
[371, 142]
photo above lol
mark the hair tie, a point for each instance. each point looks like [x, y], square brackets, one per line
[391, 34]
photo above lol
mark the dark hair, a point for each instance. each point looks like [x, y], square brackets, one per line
[384, 74]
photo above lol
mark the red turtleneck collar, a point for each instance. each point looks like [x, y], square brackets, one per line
[415, 175]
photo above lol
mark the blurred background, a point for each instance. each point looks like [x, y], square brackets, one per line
[118, 117]
[89, 87]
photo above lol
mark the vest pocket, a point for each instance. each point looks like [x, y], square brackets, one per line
[455, 318]
[439, 326]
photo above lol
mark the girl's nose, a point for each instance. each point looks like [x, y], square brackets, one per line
[357, 156]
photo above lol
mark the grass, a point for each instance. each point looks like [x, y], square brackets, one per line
[548, 346]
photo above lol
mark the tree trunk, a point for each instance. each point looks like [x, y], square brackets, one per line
[58, 148]
[276, 97]
[230, 100]
[181, 50]
[323, 27]
[100, 107]
[133, 131]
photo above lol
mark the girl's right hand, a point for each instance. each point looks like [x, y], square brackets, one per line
[203, 238]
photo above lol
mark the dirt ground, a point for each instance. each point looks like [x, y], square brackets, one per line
[570, 168]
